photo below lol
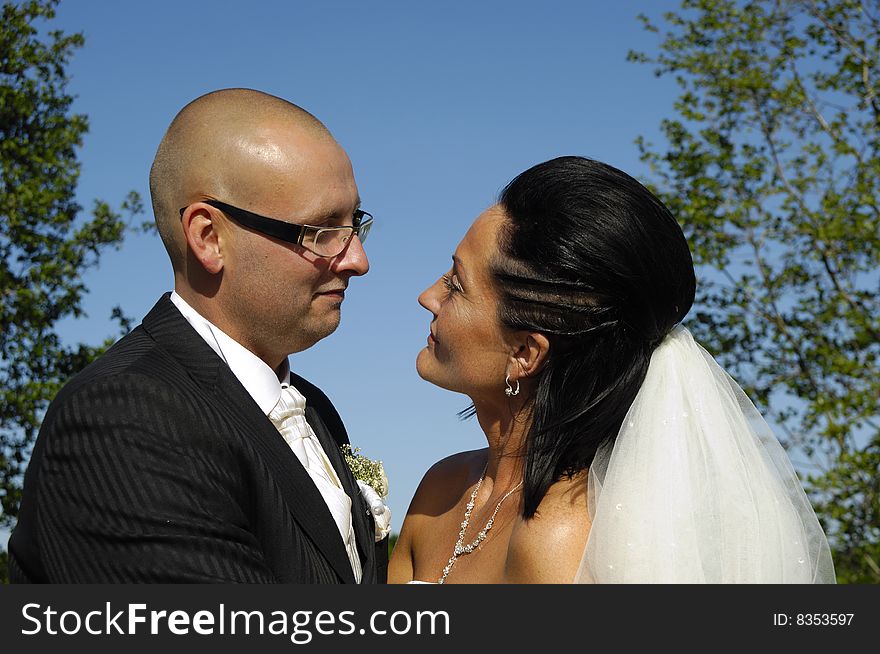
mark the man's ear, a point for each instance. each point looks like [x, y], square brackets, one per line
[202, 237]
[530, 355]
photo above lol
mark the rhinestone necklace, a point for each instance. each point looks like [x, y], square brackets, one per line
[460, 548]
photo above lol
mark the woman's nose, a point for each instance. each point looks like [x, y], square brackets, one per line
[428, 298]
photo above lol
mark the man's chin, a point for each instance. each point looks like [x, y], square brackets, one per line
[307, 337]
[328, 325]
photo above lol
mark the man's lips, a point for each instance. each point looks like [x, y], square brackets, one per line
[334, 293]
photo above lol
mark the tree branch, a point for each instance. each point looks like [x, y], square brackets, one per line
[776, 315]
[870, 95]
[854, 304]
[814, 10]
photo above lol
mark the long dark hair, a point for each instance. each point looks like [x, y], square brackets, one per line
[593, 260]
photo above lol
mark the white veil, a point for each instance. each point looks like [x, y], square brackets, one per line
[696, 488]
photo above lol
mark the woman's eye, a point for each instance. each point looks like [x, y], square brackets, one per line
[450, 284]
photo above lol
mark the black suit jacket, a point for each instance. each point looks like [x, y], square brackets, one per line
[155, 465]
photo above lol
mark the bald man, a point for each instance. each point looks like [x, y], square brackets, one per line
[189, 452]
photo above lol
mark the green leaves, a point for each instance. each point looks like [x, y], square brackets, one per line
[46, 242]
[772, 165]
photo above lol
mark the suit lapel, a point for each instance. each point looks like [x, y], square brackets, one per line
[307, 505]
[362, 520]
[247, 421]
[165, 324]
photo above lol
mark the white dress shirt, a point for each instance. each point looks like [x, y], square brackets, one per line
[265, 387]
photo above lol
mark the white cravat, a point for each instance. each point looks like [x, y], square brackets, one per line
[289, 418]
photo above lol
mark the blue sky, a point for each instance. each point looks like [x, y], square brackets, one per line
[439, 105]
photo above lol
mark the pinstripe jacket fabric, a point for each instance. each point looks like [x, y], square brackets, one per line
[155, 465]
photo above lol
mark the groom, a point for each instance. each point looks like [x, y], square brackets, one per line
[189, 452]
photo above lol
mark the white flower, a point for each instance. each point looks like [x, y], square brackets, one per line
[381, 512]
[373, 483]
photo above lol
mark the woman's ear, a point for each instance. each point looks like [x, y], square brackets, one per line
[530, 355]
[202, 237]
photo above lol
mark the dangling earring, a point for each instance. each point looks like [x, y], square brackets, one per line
[510, 390]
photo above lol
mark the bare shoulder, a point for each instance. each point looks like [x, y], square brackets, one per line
[548, 548]
[443, 483]
[438, 492]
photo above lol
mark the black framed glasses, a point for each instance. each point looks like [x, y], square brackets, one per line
[323, 241]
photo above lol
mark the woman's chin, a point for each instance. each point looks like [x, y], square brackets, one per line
[423, 366]
[427, 371]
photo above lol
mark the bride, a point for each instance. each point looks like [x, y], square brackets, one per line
[618, 450]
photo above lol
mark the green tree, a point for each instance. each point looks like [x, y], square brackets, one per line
[772, 165]
[392, 541]
[47, 243]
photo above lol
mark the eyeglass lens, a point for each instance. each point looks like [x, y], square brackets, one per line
[332, 241]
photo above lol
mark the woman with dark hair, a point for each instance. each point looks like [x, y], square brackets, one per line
[618, 450]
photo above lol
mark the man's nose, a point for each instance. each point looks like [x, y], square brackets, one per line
[353, 258]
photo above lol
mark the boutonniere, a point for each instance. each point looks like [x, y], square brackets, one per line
[373, 483]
